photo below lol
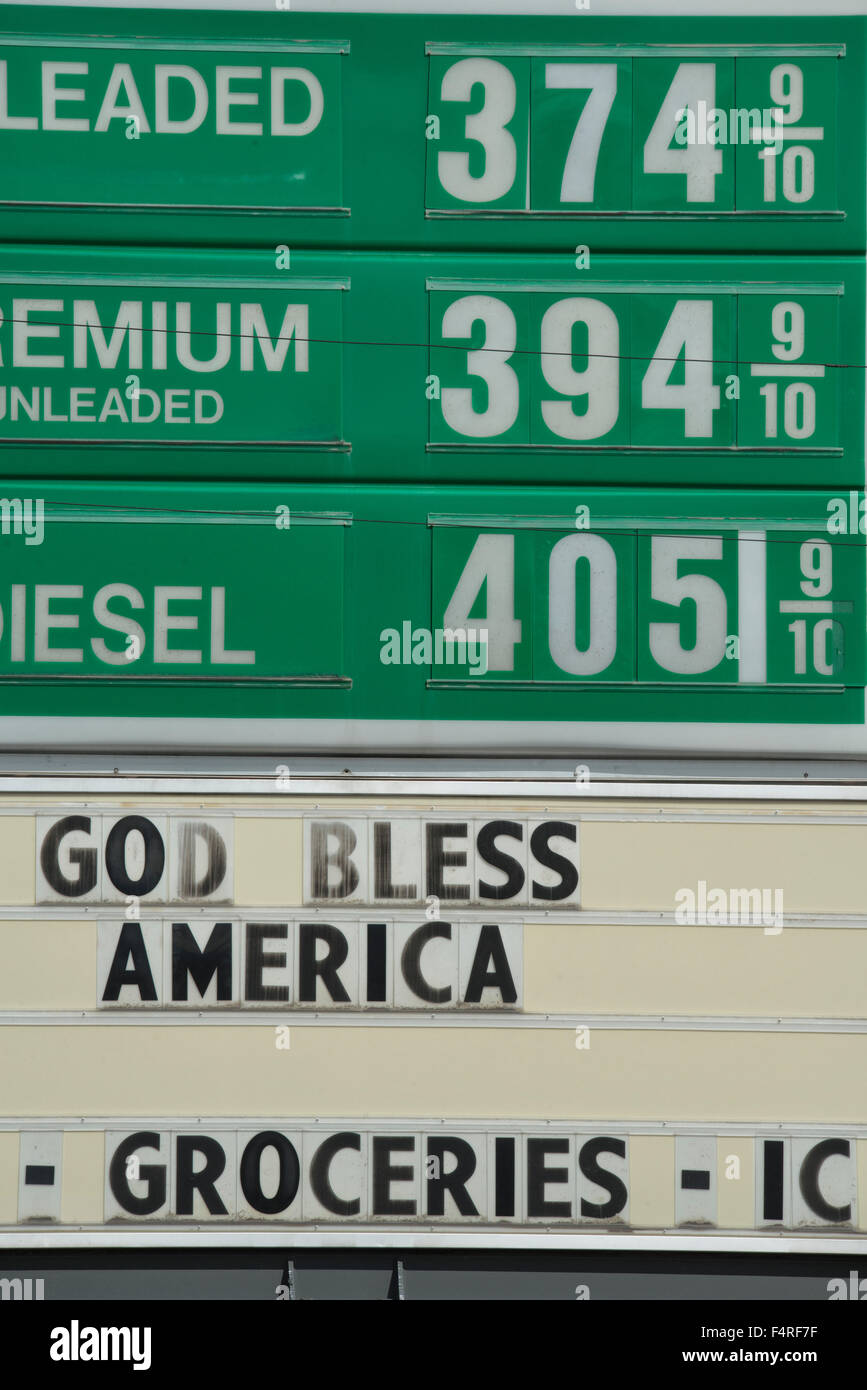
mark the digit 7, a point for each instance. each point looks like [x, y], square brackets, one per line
[579, 171]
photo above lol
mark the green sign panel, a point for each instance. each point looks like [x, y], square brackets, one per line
[750, 607]
[207, 125]
[584, 128]
[697, 365]
[113, 599]
[434, 130]
[169, 359]
[485, 381]
[460, 605]
[504, 369]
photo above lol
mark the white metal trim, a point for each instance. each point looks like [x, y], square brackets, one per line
[575, 916]
[516, 49]
[293, 47]
[234, 1015]
[526, 286]
[437, 738]
[468, 788]
[523, 793]
[392, 1237]
[374, 1123]
[444, 8]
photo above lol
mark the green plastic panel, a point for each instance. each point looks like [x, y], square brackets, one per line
[711, 371]
[195, 601]
[433, 131]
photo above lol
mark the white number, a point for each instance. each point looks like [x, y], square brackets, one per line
[708, 596]
[799, 410]
[824, 628]
[599, 381]
[799, 163]
[487, 126]
[769, 159]
[787, 323]
[602, 582]
[799, 174]
[787, 91]
[492, 563]
[690, 328]
[579, 171]
[798, 630]
[770, 394]
[490, 363]
[700, 162]
[816, 568]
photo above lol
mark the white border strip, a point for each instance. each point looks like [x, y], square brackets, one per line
[518, 1125]
[431, 737]
[394, 1238]
[469, 788]
[575, 917]
[790, 9]
[138, 1016]
[467, 793]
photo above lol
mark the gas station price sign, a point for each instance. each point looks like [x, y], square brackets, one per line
[99, 595]
[124, 123]
[408, 607]
[656, 365]
[711, 371]
[425, 131]
[555, 130]
[729, 606]
[168, 359]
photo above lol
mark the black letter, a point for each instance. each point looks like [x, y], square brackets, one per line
[439, 859]
[613, 1185]
[215, 959]
[383, 886]
[809, 1179]
[545, 855]
[320, 1180]
[154, 856]
[538, 1175]
[309, 967]
[204, 1181]
[320, 858]
[454, 1182]
[772, 1204]
[384, 1175]
[130, 943]
[486, 844]
[154, 1174]
[84, 858]
[216, 870]
[504, 1177]
[376, 957]
[410, 962]
[251, 1176]
[258, 960]
[490, 948]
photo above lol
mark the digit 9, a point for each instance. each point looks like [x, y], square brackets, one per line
[787, 324]
[787, 92]
[816, 568]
